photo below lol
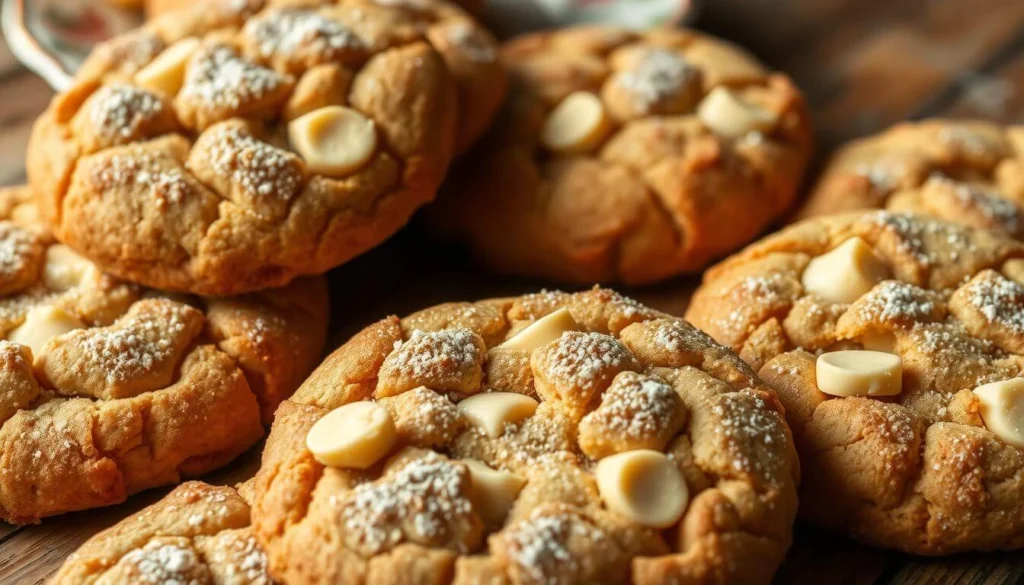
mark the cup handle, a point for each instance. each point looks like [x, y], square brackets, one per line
[28, 50]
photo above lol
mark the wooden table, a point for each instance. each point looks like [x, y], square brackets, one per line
[864, 65]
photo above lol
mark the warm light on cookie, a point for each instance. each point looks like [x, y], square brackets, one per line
[491, 411]
[64, 268]
[542, 331]
[846, 273]
[355, 436]
[42, 324]
[1002, 409]
[166, 73]
[726, 114]
[334, 141]
[494, 492]
[644, 486]
[579, 124]
[860, 373]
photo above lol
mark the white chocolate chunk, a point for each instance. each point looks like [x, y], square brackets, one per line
[845, 273]
[354, 436]
[644, 486]
[491, 411]
[577, 125]
[728, 115]
[64, 268]
[335, 141]
[1002, 409]
[1014, 269]
[543, 331]
[166, 73]
[494, 491]
[860, 373]
[42, 324]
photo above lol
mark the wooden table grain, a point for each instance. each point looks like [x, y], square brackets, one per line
[864, 64]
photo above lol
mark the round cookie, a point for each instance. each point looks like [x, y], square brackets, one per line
[620, 156]
[968, 172]
[235, 145]
[524, 441]
[109, 389]
[917, 453]
[156, 8]
[198, 534]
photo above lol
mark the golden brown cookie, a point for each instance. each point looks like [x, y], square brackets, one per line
[968, 172]
[107, 388]
[550, 438]
[156, 8]
[199, 534]
[880, 332]
[620, 156]
[236, 145]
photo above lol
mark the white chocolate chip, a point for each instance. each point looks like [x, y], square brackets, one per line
[1014, 269]
[644, 486]
[1002, 409]
[335, 141]
[542, 331]
[579, 124]
[64, 268]
[42, 324]
[491, 411]
[860, 373]
[494, 491]
[728, 115]
[355, 435]
[166, 73]
[883, 341]
[845, 273]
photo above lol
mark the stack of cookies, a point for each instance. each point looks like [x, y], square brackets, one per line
[163, 301]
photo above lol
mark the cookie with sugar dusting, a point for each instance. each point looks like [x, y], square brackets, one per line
[894, 342]
[620, 156]
[156, 8]
[238, 144]
[549, 438]
[108, 388]
[963, 171]
[198, 534]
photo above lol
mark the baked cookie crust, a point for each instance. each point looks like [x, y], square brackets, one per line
[918, 471]
[236, 145]
[198, 534]
[688, 134]
[109, 389]
[963, 171]
[628, 378]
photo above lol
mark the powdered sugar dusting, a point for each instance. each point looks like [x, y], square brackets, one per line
[426, 495]
[220, 79]
[993, 207]
[118, 111]
[539, 546]
[636, 406]
[166, 564]
[242, 558]
[999, 299]
[260, 169]
[659, 74]
[894, 301]
[16, 246]
[140, 169]
[435, 353]
[286, 32]
[577, 359]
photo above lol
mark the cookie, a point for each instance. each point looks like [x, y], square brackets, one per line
[235, 146]
[550, 438]
[968, 172]
[158, 7]
[619, 156]
[894, 342]
[109, 389]
[198, 534]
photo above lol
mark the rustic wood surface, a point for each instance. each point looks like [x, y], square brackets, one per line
[863, 64]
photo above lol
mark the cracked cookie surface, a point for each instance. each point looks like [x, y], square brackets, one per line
[968, 172]
[918, 471]
[619, 156]
[109, 388]
[236, 145]
[501, 398]
[198, 535]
